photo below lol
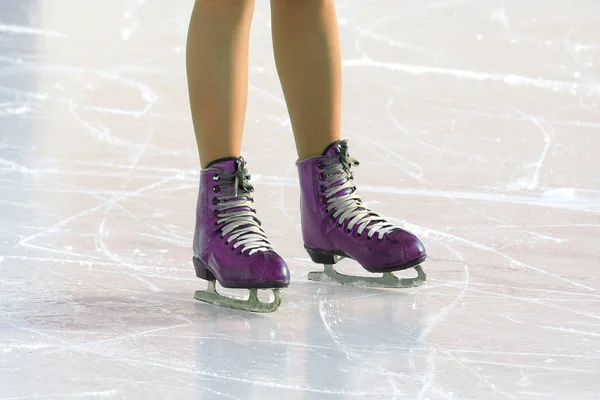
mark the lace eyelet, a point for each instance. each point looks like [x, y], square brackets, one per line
[216, 178]
[216, 213]
[321, 177]
[215, 201]
[321, 166]
[322, 189]
[216, 189]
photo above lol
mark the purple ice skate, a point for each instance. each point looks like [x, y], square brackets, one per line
[229, 244]
[336, 224]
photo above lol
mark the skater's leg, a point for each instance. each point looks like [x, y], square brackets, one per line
[307, 54]
[230, 245]
[217, 69]
[335, 221]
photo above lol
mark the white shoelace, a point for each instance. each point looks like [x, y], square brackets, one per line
[244, 223]
[350, 206]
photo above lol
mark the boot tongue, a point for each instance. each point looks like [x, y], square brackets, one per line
[333, 151]
[228, 165]
[334, 148]
[235, 168]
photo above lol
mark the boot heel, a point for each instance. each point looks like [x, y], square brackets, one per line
[322, 256]
[202, 271]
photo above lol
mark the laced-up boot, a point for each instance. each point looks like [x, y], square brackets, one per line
[230, 245]
[336, 224]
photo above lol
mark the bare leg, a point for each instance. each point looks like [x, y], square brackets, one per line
[217, 68]
[307, 54]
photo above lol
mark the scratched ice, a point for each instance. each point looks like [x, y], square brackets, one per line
[478, 127]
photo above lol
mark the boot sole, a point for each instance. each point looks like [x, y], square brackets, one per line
[203, 271]
[320, 256]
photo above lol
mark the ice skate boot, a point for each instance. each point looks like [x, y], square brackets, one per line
[336, 225]
[229, 244]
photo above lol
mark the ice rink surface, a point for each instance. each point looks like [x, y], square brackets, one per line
[477, 124]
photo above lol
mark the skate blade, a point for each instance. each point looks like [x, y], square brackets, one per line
[253, 304]
[388, 280]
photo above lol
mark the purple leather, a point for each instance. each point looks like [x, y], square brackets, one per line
[213, 256]
[398, 249]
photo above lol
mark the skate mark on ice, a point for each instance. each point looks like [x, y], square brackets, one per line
[111, 202]
[120, 337]
[147, 94]
[561, 329]
[535, 181]
[431, 232]
[429, 376]
[369, 33]
[584, 323]
[415, 175]
[522, 354]
[83, 213]
[546, 237]
[8, 165]
[401, 128]
[180, 367]
[122, 263]
[443, 313]
[526, 366]
[8, 348]
[328, 322]
[477, 376]
[170, 237]
[506, 79]
[502, 223]
[28, 30]
[538, 302]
